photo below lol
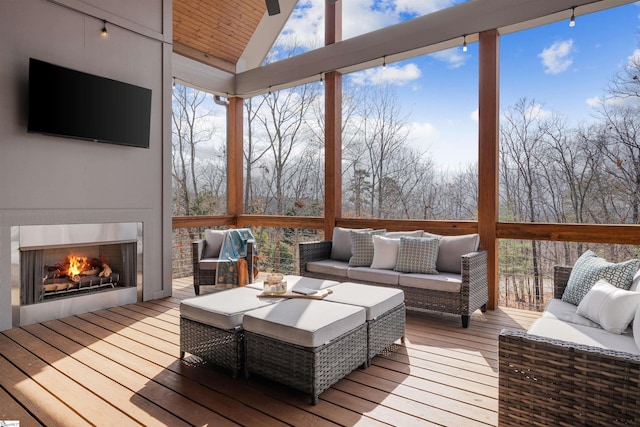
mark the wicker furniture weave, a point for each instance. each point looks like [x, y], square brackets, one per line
[218, 346]
[208, 277]
[473, 293]
[383, 331]
[310, 370]
[551, 382]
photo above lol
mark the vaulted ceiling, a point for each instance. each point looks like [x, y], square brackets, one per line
[231, 36]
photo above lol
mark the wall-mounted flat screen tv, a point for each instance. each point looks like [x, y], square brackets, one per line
[73, 104]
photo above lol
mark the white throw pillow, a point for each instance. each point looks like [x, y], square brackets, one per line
[385, 252]
[611, 307]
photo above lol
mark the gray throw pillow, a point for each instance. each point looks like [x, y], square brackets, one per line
[213, 243]
[341, 243]
[417, 255]
[590, 268]
[362, 247]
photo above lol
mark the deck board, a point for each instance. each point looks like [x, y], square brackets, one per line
[121, 366]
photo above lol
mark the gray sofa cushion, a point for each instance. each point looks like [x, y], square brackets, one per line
[446, 282]
[329, 266]
[373, 275]
[561, 310]
[585, 335]
[451, 250]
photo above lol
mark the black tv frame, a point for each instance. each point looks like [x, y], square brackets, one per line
[74, 104]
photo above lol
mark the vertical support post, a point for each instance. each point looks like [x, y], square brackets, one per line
[488, 155]
[235, 157]
[333, 125]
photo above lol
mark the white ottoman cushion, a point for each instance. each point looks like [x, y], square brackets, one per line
[304, 322]
[376, 300]
[224, 309]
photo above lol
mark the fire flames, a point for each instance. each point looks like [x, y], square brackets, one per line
[77, 265]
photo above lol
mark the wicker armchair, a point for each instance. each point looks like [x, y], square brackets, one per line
[551, 382]
[205, 264]
[473, 293]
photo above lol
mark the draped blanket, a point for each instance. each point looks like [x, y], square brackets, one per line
[232, 270]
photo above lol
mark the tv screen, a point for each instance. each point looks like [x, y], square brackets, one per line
[73, 104]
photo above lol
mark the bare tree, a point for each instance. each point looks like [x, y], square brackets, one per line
[522, 141]
[190, 128]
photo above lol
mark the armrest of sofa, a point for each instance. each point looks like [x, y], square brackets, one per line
[561, 275]
[313, 251]
[474, 279]
[549, 381]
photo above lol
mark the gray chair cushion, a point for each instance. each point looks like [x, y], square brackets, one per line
[212, 243]
[209, 264]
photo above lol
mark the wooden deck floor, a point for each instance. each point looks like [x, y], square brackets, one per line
[121, 367]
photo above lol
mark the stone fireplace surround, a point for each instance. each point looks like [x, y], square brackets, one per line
[69, 235]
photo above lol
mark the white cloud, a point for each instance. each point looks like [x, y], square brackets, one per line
[475, 115]
[306, 25]
[536, 112]
[557, 57]
[453, 57]
[594, 101]
[394, 75]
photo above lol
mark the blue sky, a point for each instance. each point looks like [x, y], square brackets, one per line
[565, 69]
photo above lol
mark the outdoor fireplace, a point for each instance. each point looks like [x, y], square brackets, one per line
[62, 270]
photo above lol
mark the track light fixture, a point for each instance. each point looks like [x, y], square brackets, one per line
[572, 21]
[321, 80]
[384, 62]
[103, 32]
[464, 43]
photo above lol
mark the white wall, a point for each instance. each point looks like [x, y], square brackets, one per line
[52, 180]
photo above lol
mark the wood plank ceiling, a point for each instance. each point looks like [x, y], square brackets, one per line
[215, 32]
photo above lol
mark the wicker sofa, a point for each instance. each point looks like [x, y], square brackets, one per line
[460, 292]
[546, 380]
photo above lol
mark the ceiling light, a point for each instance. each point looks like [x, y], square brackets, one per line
[464, 43]
[103, 32]
[572, 21]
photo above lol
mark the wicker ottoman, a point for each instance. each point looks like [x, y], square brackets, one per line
[306, 344]
[385, 312]
[211, 325]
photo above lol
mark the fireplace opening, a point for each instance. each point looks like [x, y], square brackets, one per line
[67, 271]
